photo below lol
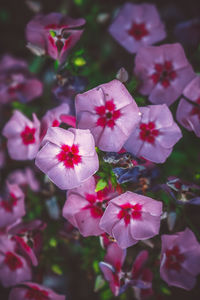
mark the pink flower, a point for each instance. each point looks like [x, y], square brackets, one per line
[84, 207]
[112, 267]
[164, 71]
[131, 217]
[23, 136]
[180, 257]
[12, 206]
[13, 267]
[54, 34]
[16, 83]
[188, 114]
[110, 112]
[33, 291]
[53, 117]
[68, 157]
[23, 178]
[155, 135]
[137, 25]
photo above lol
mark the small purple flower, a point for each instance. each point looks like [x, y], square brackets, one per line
[54, 34]
[110, 112]
[180, 257]
[23, 178]
[13, 267]
[11, 205]
[23, 136]
[164, 71]
[131, 217]
[68, 157]
[188, 114]
[188, 32]
[84, 207]
[16, 83]
[137, 25]
[33, 291]
[155, 135]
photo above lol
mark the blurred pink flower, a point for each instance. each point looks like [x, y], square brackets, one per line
[110, 112]
[68, 157]
[12, 206]
[13, 267]
[137, 25]
[188, 114]
[180, 257]
[54, 34]
[155, 135]
[131, 217]
[16, 83]
[24, 177]
[23, 136]
[33, 291]
[84, 207]
[164, 71]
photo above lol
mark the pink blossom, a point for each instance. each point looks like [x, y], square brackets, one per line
[23, 136]
[84, 207]
[110, 112]
[54, 34]
[16, 83]
[137, 25]
[13, 267]
[33, 291]
[188, 114]
[68, 157]
[180, 257]
[131, 217]
[23, 178]
[11, 205]
[164, 71]
[155, 135]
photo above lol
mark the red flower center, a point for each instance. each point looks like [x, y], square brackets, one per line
[9, 203]
[128, 210]
[69, 156]
[12, 261]
[164, 73]
[28, 135]
[55, 123]
[138, 31]
[148, 132]
[174, 258]
[34, 293]
[196, 109]
[59, 36]
[107, 114]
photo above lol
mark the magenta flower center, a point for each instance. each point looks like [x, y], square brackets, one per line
[58, 36]
[12, 261]
[164, 73]
[9, 203]
[108, 114]
[138, 31]
[196, 109]
[95, 205]
[148, 132]
[34, 293]
[69, 156]
[55, 123]
[28, 136]
[129, 211]
[174, 258]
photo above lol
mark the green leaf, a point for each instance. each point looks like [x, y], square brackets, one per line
[52, 33]
[99, 283]
[101, 184]
[165, 290]
[53, 242]
[56, 269]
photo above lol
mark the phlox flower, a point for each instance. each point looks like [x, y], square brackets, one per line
[131, 217]
[188, 112]
[155, 135]
[68, 157]
[53, 34]
[137, 25]
[84, 207]
[23, 136]
[163, 71]
[110, 112]
[24, 177]
[180, 257]
[16, 83]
